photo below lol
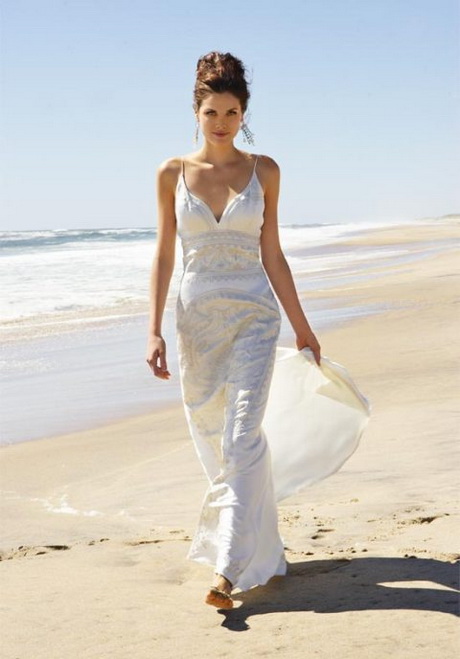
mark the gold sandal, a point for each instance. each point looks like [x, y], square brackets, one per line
[219, 598]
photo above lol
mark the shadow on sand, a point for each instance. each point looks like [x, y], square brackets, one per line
[358, 584]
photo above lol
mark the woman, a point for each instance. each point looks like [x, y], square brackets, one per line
[223, 203]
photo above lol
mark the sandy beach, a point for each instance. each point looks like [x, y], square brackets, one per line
[96, 524]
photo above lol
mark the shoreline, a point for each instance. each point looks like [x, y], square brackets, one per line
[63, 397]
[41, 326]
[366, 293]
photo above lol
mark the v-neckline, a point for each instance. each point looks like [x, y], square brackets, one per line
[218, 221]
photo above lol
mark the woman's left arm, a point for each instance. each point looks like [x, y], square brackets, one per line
[276, 266]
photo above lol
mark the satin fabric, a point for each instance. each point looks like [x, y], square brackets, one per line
[227, 328]
[314, 419]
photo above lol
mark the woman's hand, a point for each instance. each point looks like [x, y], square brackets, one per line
[156, 357]
[308, 340]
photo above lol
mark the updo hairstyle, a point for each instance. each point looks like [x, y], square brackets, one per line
[217, 73]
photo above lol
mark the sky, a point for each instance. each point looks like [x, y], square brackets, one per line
[356, 100]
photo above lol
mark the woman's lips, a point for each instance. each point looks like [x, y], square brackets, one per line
[220, 134]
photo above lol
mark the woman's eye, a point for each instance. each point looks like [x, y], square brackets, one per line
[212, 112]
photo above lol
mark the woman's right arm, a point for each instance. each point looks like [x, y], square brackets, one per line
[162, 266]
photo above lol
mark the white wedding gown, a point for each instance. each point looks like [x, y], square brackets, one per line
[228, 323]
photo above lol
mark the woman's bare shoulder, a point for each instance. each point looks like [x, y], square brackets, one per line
[168, 171]
[170, 165]
[268, 172]
[268, 163]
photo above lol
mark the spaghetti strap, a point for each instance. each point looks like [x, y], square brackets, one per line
[255, 165]
[182, 176]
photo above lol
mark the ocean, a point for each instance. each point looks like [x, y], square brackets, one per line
[74, 317]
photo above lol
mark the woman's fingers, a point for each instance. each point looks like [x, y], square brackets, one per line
[160, 368]
[316, 350]
[317, 354]
[156, 357]
[312, 343]
[163, 365]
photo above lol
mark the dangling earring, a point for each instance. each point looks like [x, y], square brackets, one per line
[248, 135]
[195, 139]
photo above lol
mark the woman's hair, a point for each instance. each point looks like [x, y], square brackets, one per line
[217, 73]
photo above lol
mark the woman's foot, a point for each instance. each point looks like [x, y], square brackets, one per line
[219, 594]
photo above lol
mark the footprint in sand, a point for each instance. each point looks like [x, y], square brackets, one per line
[39, 550]
[93, 542]
[421, 520]
[318, 535]
[154, 541]
[45, 551]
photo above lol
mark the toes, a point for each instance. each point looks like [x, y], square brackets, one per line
[219, 598]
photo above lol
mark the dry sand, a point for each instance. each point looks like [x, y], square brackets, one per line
[96, 524]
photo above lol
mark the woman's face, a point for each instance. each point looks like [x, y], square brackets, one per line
[220, 117]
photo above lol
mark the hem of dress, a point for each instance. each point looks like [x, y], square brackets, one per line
[281, 571]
